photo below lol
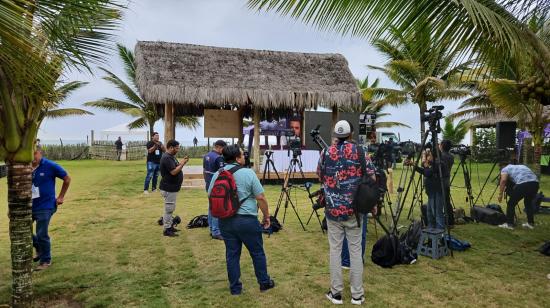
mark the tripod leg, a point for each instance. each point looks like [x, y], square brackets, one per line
[274, 169]
[289, 200]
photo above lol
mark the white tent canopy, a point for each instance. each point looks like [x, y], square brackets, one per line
[123, 130]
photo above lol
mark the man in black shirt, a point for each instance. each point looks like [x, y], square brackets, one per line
[118, 144]
[155, 148]
[170, 184]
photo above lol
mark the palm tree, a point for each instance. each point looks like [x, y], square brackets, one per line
[51, 110]
[512, 91]
[420, 81]
[488, 28]
[455, 133]
[147, 113]
[368, 104]
[39, 39]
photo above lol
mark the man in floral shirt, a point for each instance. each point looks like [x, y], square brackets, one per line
[340, 172]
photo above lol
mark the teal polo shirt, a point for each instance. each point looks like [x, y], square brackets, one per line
[248, 186]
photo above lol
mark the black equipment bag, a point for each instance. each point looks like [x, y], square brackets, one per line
[487, 215]
[368, 193]
[386, 252]
[200, 221]
[495, 207]
[412, 236]
[545, 248]
[275, 226]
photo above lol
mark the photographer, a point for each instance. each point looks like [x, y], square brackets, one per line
[155, 148]
[210, 164]
[448, 160]
[520, 183]
[340, 172]
[170, 184]
[432, 185]
[244, 228]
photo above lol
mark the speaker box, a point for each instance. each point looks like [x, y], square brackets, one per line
[506, 135]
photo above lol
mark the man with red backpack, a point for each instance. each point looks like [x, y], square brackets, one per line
[235, 194]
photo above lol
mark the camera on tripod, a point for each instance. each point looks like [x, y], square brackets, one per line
[294, 143]
[433, 114]
[461, 150]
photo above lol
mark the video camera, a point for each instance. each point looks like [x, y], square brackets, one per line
[316, 135]
[294, 143]
[433, 114]
[461, 150]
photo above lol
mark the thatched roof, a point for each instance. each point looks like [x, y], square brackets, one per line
[492, 120]
[199, 76]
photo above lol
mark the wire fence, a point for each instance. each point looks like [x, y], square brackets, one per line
[106, 150]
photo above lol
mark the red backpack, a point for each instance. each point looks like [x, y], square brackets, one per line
[224, 200]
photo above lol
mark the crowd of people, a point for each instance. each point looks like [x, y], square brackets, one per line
[340, 169]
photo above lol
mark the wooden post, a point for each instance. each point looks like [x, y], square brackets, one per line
[334, 117]
[257, 139]
[92, 137]
[241, 135]
[169, 123]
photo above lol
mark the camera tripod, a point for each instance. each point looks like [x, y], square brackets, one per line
[267, 167]
[467, 179]
[294, 166]
[314, 204]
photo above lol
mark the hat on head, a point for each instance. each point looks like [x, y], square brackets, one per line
[220, 143]
[342, 129]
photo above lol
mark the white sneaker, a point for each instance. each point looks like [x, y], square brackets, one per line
[335, 299]
[345, 267]
[506, 226]
[145, 192]
[528, 226]
[548, 276]
[358, 301]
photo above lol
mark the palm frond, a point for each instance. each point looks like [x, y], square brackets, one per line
[128, 91]
[128, 60]
[138, 123]
[113, 105]
[66, 112]
[63, 91]
[189, 122]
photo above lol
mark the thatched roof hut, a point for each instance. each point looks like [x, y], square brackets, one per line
[194, 77]
[489, 120]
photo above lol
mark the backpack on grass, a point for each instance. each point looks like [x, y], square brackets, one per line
[200, 221]
[545, 249]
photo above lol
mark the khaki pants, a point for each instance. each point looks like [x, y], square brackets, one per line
[169, 207]
[336, 231]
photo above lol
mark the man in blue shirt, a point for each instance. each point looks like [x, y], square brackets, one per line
[44, 203]
[244, 227]
[210, 164]
[523, 184]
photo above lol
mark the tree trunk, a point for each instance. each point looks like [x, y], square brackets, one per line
[20, 214]
[422, 123]
[537, 153]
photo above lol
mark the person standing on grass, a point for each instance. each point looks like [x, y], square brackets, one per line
[195, 141]
[155, 148]
[44, 204]
[244, 227]
[519, 182]
[118, 145]
[210, 164]
[170, 184]
[340, 171]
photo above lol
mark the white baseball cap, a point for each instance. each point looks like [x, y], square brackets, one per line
[342, 129]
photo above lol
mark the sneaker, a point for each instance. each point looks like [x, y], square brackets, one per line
[528, 226]
[169, 233]
[145, 192]
[335, 299]
[267, 286]
[506, 226]
[154, 190]
[42, 266]
[345, 267]
[217, 237]
[174, 229]
[358, 301]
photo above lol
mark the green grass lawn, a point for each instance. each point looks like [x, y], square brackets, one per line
[108, 251]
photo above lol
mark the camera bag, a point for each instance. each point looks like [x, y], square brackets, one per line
[487, 215]
[368, 193]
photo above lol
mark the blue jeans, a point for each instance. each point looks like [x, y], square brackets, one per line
[41, 239]
[436, 218]
[345, 250]
[236, 231]
[213, 222]
[152, 172]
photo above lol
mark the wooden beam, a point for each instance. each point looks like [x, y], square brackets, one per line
[256, 139]
[334, 117]
[169, 123]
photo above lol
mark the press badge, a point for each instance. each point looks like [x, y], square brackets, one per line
[35, 192]
[157, 152]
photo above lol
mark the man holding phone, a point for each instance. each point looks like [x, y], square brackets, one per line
[170, 184]
[155, 148]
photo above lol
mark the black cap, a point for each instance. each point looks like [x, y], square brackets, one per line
[220, 143]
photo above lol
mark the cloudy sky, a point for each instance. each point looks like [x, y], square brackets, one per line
[224, 23]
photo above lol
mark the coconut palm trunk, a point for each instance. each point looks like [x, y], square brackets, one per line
[20, 214]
